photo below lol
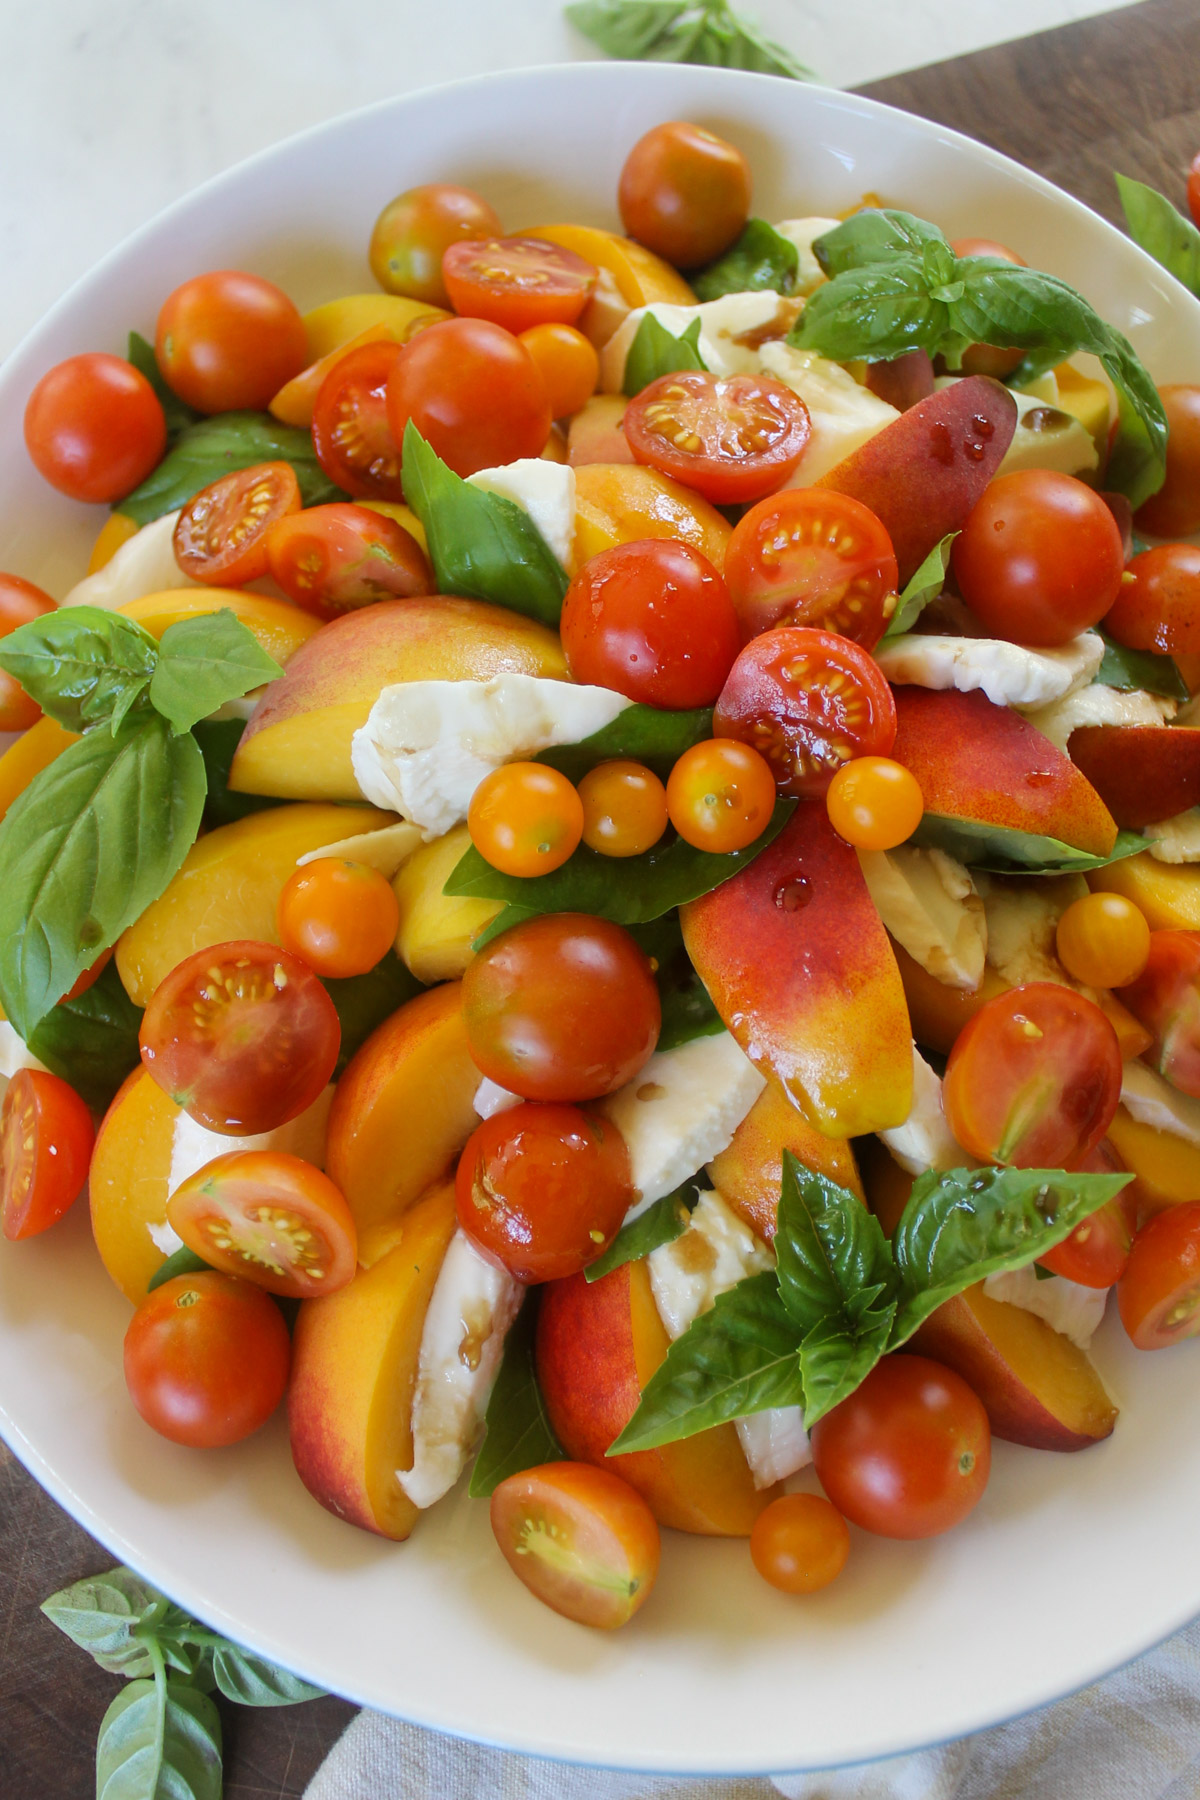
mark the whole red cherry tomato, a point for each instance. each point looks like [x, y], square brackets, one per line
[20, 601]
[473, 392]
[414, 231]
[684, 193]
[1158, 604]
[1174, 511]
[94, 427]
[228, 340]
[206, 1359]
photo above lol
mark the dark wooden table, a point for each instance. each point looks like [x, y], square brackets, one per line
[1121, 91]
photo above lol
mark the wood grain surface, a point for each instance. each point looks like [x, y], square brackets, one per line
[1121, 91]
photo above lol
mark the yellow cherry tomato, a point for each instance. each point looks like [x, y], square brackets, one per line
[1103, 940]
[721, 795]
[874, 803]
[799, 1543]
[624, 808]
[339, 917]
[567, 363]
[525, 819]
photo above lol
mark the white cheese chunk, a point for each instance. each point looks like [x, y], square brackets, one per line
[722, 323]
[14, 1055]
[1009, 674]
[1099, 705]
[1046, 437]
[928, 901]
[1151, 1100]
[427, 745]
[243, 706]
[1069, 1307]
[804, 234]
[193, 1145]
[1176, 840]
[470, 1310]
[144, 564]
[544, 490]
[774, 1443]
[491, 1098]
[681, 1111]
[1022, 923]
[925, 1140]
[164, 1237]
[843, 414]
[715, 1252]
[385, 849]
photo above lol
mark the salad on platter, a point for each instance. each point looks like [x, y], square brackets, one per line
[600, 876]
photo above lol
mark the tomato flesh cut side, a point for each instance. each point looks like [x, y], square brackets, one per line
[731, 438]
[580, 1539]
[334, 559]
[1159, 1294]
[517, 282]
[811, 556]
[1165, 998]
[46, 1138]
[351, 434]
[221, 535]
[270, 1217]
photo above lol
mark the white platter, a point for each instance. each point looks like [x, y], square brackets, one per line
[1070, 1566]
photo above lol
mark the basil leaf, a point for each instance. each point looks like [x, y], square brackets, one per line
[177, 412]
[687, 1008]
[738, 1357]
[645, 734]
[180, 1262]
[873, 313]
[656, 351]
[93, 839]
[630, 891]
[84, 666]
[202, 663]
[660, 1224]
[218, 740]
[100, 1613]
[925, 585]
[1146, 669]
[91, 1041]
[731, 42]
[1161, 231]
[481, 545]
[876, 234]
[761, 258]
[218, 446]
[517, 1430]
[365, 1001]
[698, 31]
[999, 850]
[159, 1740]
[253, 1681]
[630, 30]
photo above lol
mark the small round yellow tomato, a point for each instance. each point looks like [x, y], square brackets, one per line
[567, 363]
[525, 819]
[624, 808]
[799, 1543]
[339, 917]
[874, 803]
[1103, 940]
[720, 795]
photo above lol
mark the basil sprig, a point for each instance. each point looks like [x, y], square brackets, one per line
[760, 258]
[656, 351]
[925, 585]
[1161, 231]
[1148, 670]
[204, 451]
[842, 1296]
[517, 1430]
[660, 1224]
[895, 285]
[1001, 850]
[645, 734]
[84, 666]
[691, 31]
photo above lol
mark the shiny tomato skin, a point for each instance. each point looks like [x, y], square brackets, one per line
[624, 808]
[684, 193]
[1158, 604]
[352, 434]
[94, 427]
[732, 438]
[20, 601]
[653, 620]
[1097, 1250]
[46, 1138]
[90, 977]
[799, 1543]
[517, 282]
[1103, 940]
[271, 1218]
[808, 701]
[206, 1359]
[1174, 512]
[1158, 1296]
[473, 392]
[875, 803]
[339, 917]
[561, 1007]
[414, 231]
[1034, 1078]
[525, 818]
[242, 1035]
[721, 795]
[580, 1539]
[1040, 558]
[810, 556]
[228, 340]
[333, 559]
[542, 1190]
[1165, 998]
[220, 537]
[568, 363]
[908, 1454]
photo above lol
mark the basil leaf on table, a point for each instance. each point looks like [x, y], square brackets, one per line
[656, 351]
[91, 1041]
[481, 545]
[180, 1262]
[660, 1224]
[1145, 669]
[83, 665]
[159, 1739]
[999, 850]
[218, 740]
[202, 663]
[253, 1681]
[100, 1613]
[645, 734]
[760, 258]
[708, 32]
[517, 1430]
[925, 585]
[365, 1001]
[176, 412]
[1161, 231]
[218, 446]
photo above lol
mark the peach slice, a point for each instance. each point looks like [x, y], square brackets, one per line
[436, 930]
[297, 745]
[354, 1370]
[279, 626]
[748, 1173]
[1168, 893]
[129, 1179]
[641, 277]
[402, 1111]
[333, 324]
[1166, 1166]
[33, 751]
[902, 380]
[595, 434]
[800, 969]
[1142, 773]
[617, 502]
[598, 1344]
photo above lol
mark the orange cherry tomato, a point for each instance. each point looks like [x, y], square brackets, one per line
[334, 559]
[206, 1359]
[414, 231]
[525, 819]
[720, 795]
[810, 556]
[473, 392]
[580, 1539]
[568, 364]
[1103, 940]
[339, 917]
[517, 282]
[684, 193]
[94, 427]
[874, 803]
[46, 1138]
[1158, 603]
[624, 808]
[242, 1036]
[1174, 511]
[89, 977]
[1097, 1250]
[352, 436]
[1034, 1078]
[732, 438]
[799, 1543]
[228, 340]
[221, 535]
[1159, 1294]
[270, 1217]
[20, 601]
[989, 359]
[1165, 998]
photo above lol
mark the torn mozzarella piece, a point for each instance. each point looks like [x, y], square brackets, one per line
[164, 1237]
[774, 1443]
[427, 745]
[925, 1140]
[928, 901]
[681, 1111]
[193, 1144]
[1152, 1100]
[723, 323]
[491, 1098]
[544, 490]
[1176, 840]
[1099, 705]
[843, 414]
[1009, 674]
[1022, 925]
[1069, 1307]
[803, 233]
[385, 849]
[14, 1055]
[144, 564]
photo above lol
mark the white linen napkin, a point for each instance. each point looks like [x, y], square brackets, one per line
[1134, 1736]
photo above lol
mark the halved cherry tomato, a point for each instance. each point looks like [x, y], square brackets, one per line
[221, 535]
[242, 1036]
[414, 231]
[799, 1543]
[810, 556]
[652, 619]
[720, 795]
[809, 701]
[334, 559]
[580, 1539]
[1034, 1078]
[684, 193]
[228, 340]
[1103, 940]
[567, 363]
[270, 1217]
[46, 1138]
[624, 808]
[206, 1359]
[730, 437]
[1158, 604]
[1097, 1250]
[352, 436]
[1165, 998]
[473, 392]
[1159, 1293]
[989, 359]
[561, 1007]
[517, 282]
[525, 819]
[20, 601]
[94, 427]
[874, 803]
[1175, 510]
[339, 917]
[543, 1190]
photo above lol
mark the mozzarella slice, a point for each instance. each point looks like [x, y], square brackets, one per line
[1009, 674]
[14, 1055]
[491, 1098]
[681, 1111]
[1022, 923]
[928, 902]
[774, 1443]
[804, 234]
[723, 323]
[385, 849]
[470, 1310]
[1153, 1101]
[427, 745]
[193, 1145]
[1074, 1310]
[1046, 437]
[1099, 705]
[925, 1140]
[544, 490]
[1176, 840]
[715, 1252]
[144, 564]
[843, 414]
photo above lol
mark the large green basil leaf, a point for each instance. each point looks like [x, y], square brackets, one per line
[364, 1001]
[100, 1614]
[91, 1041]
[645, 734]
[656, 351]
[218, 740]
[218, 446]
[660, 1224]
[877, 234]
[159, 1740]
[693, 31]
[177, 412]
[1145, 669]
[1162, 231]
[481, 546]
[253, 1681]
[93, 839]
[925, 585]
[999, 850]
[517, 1430]
[202, 663]
[872, 313]
[761, 258]
[83, 665]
